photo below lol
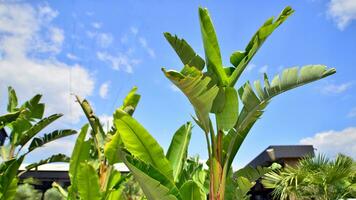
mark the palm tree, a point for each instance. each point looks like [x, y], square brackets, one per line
[315, 178]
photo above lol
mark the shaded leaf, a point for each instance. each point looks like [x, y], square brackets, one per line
[54, 158]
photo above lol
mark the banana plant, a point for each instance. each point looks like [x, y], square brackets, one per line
[91, 168]
[159, 174]
[19, 128]
[211, 91]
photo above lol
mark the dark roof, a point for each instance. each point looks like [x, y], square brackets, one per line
[281, 152]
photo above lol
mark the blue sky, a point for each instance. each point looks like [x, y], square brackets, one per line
[100, 49]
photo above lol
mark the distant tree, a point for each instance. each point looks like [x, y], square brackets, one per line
[53, 194]
[28, 192]
[315, 178]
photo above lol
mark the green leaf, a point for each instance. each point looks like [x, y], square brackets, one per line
[54, 158]
[130, 102]
[255, 104]
[88, 183]
[112, 149]
[30, 133]
[154, 184]
[40, 141]
[227, 118]
[12, 102]
[211, 47]
[240, 59]
[244, 185]
[197, 89]
[140, 143]
[178, 149]
[8, 178]
[186, 54]
[80, 154]
[9, 118]
[190, 190]
[34, 109]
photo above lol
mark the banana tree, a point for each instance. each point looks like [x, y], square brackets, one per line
[91, 169]
[159, 175]
[23, 123]
[211, 91]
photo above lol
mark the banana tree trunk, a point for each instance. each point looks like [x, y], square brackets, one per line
[217, 180]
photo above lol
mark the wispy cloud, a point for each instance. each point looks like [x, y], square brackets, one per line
[72, 56]
[96, 25]
[145, 46]
[352, 113]
[343, 12]
[119, 61]
[331, 88]
[250, 67]
[103, 40]
[26, 31]
[333, 142]
[263, 69]
[104, 89]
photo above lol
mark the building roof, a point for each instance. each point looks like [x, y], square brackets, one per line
[64, 167]
[278, 152]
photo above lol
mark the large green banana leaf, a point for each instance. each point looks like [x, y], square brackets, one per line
[40, 141]
[8, 179]
[34, 109]
[227, 118]
[140, 143]
[80, 154]
[112, 147]
[240, 59]
[23, 138]
[154, 184]
[255, 104]
[178, 149]
[190, 190]
[198, 90]
[211, 47]
[9, 118]
[185, 52]
[88, 183]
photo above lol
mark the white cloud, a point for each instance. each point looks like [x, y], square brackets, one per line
[332, 88]
[72, 56]
[96, 25]
[134, 30]
[21, 26]
[103, 90]
[263, 69]
[334, 142]
[250, 67]
[103, 40]
[352, 113]
[145, 46]
[118, 62]
[343, 12]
